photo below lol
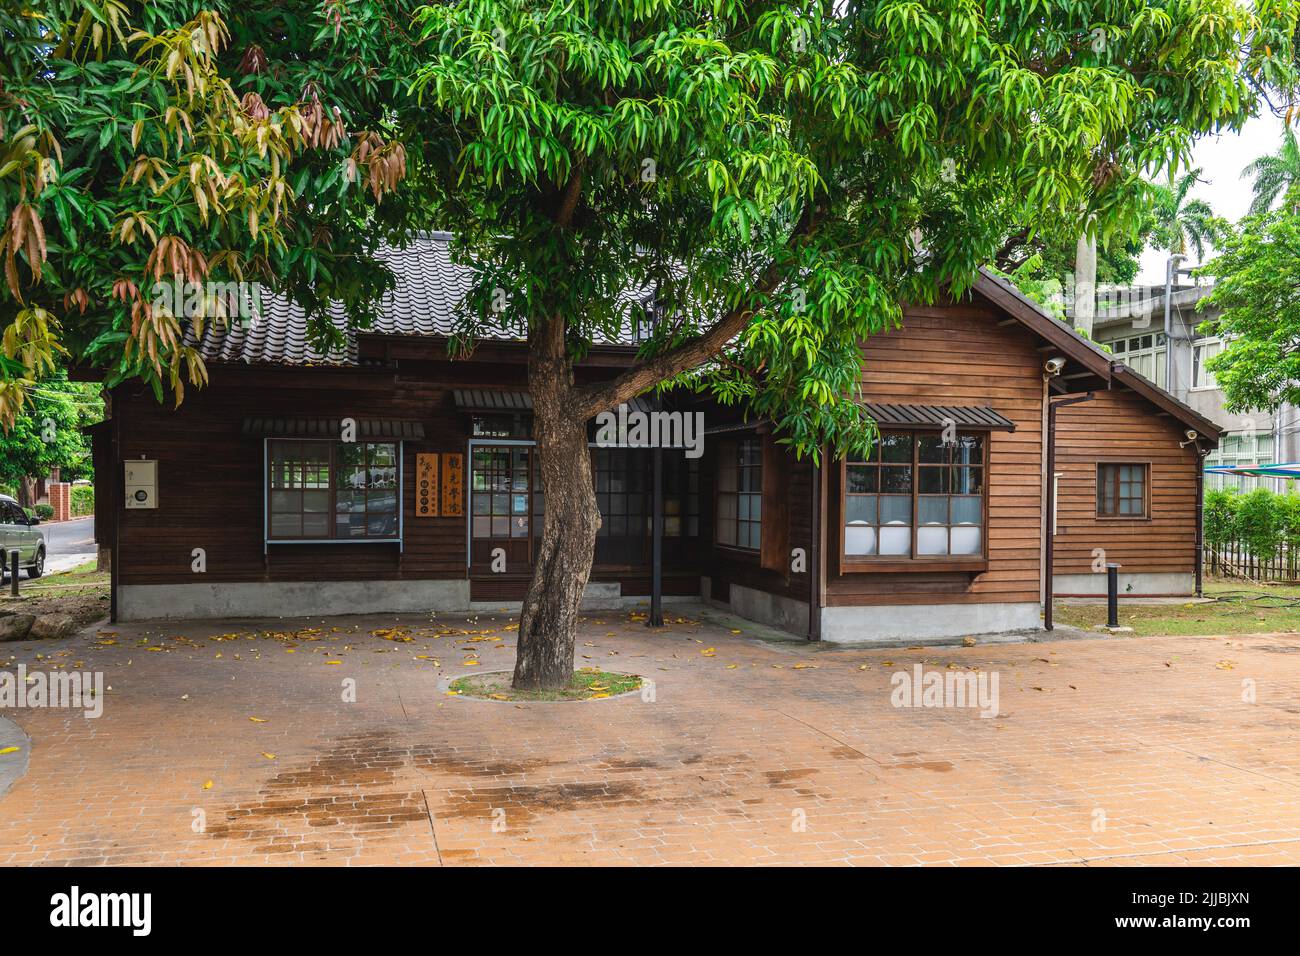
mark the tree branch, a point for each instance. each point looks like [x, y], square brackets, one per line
[595, 399]
[572, 192]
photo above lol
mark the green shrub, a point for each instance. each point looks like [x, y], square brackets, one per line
[1220, 517]
[83, 500]
[1259, 523]
[44, 512]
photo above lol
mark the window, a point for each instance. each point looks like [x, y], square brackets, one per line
[502, 425]
[1121, 491]
[326, 491]
[916, 496]
[740, 494]
[500, 489]
[1144, 354]
[1202, 351]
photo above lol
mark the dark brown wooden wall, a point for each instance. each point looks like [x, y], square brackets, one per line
[210, 478]
[1121, 427]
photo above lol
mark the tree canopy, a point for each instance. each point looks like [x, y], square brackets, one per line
[849, 155]
[782, 176]
[211, 141]
[1257, 276]
[48, 434]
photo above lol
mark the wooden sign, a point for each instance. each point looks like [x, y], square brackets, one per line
[453, 483]
[426, 486]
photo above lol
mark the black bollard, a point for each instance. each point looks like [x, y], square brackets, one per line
[1112, 595]
[13, 572]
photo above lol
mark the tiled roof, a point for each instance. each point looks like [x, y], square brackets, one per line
[429, 286]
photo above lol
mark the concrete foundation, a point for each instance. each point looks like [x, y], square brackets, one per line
[1130, 585]
[143, 602]
[774, 610]
[906, 624]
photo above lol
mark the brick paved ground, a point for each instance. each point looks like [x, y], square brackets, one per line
[1150, 737]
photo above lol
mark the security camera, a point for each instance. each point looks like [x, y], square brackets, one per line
[1053, 366]
[1191, 434]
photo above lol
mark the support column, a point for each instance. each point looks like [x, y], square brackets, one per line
[656, 618]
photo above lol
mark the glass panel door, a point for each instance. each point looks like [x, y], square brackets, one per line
[501, 508]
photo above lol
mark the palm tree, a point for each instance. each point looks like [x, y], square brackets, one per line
[1274, 174]
[1182, 222]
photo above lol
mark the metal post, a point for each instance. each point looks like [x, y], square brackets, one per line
[1112, 595]
[13, 572]
[656, 618]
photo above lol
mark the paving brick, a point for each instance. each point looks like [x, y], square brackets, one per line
[1115, 751]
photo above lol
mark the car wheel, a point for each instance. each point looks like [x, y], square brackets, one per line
[37, 569]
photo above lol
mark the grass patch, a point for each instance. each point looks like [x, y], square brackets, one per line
[589, 683]
[82, 576]
[1238, 608]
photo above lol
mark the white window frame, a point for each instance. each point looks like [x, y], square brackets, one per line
[1198, 363]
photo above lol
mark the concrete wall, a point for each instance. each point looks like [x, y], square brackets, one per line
[775, 610]
[909, 623]
[1130, 585]
[142, 602]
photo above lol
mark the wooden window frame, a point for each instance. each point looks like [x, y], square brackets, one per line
[735, 444]
[331, 537]
[1146, 490]
[860, 563]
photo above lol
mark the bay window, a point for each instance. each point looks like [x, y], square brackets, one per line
[916, 497]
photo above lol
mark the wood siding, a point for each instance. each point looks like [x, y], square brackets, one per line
[211, 480]
[1120, 427]
[958, 354]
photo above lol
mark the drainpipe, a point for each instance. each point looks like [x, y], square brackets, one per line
[115, 497]
[815, 556]
[1200, 516]
[1051, 498]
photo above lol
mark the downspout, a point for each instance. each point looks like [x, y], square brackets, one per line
[1200, 516]
[115, 492]
[815, 556]
[1044, 481]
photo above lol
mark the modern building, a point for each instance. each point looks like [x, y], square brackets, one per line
[1131, 323]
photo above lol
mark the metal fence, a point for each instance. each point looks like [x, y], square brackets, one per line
[1234, 559]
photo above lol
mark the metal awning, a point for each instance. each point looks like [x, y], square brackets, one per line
[491, 400]
[937, 416]
[497, 400]
[367, 428]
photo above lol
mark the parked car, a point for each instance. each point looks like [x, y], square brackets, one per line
[17, 530]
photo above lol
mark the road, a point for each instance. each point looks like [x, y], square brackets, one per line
[68, 543]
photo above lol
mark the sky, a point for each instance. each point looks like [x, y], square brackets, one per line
[1222, 158]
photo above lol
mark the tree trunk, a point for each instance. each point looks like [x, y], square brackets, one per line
[27, 492]
[549, 621]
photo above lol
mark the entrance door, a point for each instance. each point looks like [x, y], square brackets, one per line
[501, 508]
